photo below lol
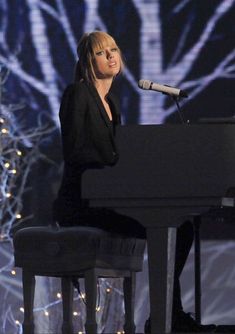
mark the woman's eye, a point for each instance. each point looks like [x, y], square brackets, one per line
[114, 49]
[99, 53]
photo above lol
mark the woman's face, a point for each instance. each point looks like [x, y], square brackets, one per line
[107, 62]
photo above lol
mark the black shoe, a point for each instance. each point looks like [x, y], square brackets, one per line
[147, 326]
[225, 329]
[184, 322]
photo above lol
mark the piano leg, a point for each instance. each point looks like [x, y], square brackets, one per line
[161, 259]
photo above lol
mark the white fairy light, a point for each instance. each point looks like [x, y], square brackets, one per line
[83, 295]
[4, 131]
[46, 313]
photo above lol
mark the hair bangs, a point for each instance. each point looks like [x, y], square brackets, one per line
[100, 40]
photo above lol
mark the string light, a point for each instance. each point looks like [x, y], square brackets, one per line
[58, 295]
[15, 171]
[82, 295]
[13, 137]
[4, 131]
[18, 152]
[46, 313]
[108, 290]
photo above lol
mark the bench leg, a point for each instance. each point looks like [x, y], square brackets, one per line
[129, 300]
[28, 294]
[67, 297]
[91, 295]
[197, 266]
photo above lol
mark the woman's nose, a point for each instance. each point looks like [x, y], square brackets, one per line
[109, 55]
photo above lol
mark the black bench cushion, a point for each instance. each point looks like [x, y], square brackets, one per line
[48, 250]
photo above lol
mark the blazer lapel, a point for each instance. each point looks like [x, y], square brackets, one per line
[99, 103]
[116, 114]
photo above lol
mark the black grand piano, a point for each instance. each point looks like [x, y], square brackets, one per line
[165, 173]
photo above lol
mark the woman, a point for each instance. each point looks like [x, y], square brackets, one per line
[88, 116]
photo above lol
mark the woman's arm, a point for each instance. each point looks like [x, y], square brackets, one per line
[72, 118]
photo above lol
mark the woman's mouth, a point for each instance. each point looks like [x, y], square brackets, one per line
[112, 64]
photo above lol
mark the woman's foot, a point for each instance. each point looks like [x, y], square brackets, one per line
[184, 322]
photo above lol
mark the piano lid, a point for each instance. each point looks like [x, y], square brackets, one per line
[167, 161]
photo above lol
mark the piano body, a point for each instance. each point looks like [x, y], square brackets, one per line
[164, 174]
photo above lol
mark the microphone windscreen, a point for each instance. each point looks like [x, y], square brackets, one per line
[144, 84]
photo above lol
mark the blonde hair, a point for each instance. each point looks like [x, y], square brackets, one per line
[87, 46]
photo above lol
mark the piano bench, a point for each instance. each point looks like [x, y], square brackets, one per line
[74, 252]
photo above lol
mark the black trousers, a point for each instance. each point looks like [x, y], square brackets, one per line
[111, 221]
[184, 240]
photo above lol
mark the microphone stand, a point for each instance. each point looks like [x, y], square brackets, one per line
[181, 115]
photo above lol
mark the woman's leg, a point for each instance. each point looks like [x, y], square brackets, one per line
[113, 222]
[184, 240]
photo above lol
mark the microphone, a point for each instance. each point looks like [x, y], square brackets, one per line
[149, 85]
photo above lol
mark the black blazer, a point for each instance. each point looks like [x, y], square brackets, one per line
[87, 133]
[87, 141]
